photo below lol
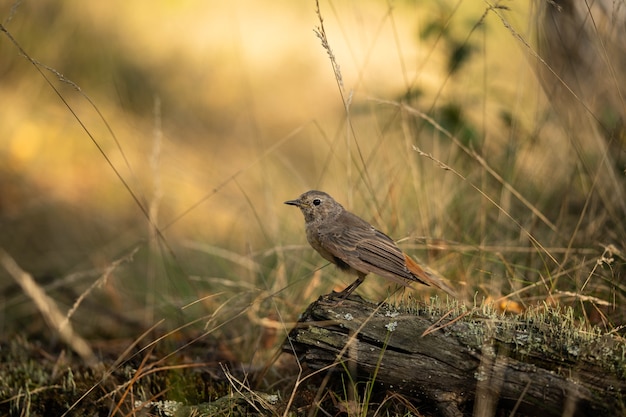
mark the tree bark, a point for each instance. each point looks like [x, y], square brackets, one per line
[464, 361]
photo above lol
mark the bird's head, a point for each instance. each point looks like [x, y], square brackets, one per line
[316, 206]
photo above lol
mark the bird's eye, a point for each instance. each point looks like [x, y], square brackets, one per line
[317, 202]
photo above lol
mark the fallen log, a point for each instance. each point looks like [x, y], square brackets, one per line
[464, 361]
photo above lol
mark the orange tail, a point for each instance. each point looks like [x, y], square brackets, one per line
[427, 276]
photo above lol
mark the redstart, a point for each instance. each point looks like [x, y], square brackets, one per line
[355, 246]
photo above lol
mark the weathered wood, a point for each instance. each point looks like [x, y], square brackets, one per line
[542, 363]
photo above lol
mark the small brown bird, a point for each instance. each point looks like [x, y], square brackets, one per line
[355, 246]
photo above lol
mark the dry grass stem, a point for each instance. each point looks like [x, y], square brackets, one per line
[48, 309]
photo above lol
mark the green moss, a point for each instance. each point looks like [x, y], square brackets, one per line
[540, 333]
[34, 382]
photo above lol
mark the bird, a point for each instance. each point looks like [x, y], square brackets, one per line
[357, 247]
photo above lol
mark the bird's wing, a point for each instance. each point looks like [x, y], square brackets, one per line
[385, 258]
[366, 249]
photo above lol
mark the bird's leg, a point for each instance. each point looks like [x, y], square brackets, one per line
[350, 288]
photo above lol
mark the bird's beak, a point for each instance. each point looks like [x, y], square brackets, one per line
[293, 203]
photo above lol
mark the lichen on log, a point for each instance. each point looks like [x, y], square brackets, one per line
[459, 359]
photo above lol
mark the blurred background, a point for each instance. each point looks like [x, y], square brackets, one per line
[146, 149]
